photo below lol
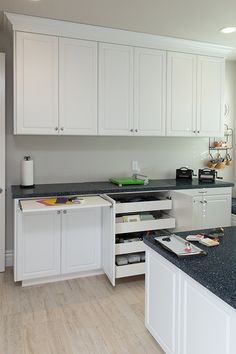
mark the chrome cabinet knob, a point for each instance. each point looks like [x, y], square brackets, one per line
[131, 130]
[136, 130]
[56, 129]
[62, 129]
[64, 212]
[198, 131]
[194, 131]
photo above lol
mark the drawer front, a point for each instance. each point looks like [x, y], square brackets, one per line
[130, 247]
[130, 270]
[143, 206]
[205, 191]
[158, 224]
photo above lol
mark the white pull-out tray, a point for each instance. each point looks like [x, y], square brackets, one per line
[32, 205]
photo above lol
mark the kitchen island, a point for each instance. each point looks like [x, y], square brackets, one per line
[191, 302]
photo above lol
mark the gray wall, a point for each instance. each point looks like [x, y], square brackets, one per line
[78, 159]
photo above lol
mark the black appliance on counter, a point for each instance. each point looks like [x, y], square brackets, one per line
[207, 175]
[184, 173]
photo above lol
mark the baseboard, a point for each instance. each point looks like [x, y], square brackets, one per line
[9, 258]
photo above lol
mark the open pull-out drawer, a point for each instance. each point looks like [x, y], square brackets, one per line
[161, 204]
[130, 247]
[130, 270]
[165, 222]
[35, 205]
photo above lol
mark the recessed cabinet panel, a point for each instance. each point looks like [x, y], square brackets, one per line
[150, 92]
[40, 245]
[81, 240]
[181, 94]
[36, 84]
[216, 211]
[115, 89]
[161, 288]
[210, 96]
[197, 308]
[77, 87]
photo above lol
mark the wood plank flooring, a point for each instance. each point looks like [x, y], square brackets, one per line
[82, 316]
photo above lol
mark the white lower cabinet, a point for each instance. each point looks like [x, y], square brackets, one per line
[182, 315]
[40, 240]
[201, 208]
[54, 242]
[81, 240]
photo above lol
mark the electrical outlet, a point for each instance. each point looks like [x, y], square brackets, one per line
[135, 166]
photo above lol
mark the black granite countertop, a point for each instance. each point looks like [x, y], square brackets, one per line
[57, 189]
[216, 271]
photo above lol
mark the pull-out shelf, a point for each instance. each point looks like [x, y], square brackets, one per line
[164, 204]
[130, 247]
[34, 205]
[130, 270]
[162, 223]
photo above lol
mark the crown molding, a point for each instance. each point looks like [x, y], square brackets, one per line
[59, 28]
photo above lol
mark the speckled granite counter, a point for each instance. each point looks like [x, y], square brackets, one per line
[56, 189]
[216, 271]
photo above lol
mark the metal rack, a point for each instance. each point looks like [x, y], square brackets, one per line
[223, 145]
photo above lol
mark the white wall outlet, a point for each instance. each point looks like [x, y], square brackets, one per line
[135, 166]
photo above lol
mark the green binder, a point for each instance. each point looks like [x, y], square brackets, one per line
[126, 181]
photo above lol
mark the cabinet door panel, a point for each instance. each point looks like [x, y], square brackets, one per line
[81, 240]
[198, 309]
[181, 94]
[40, 245]
[78, 86]
[115, 89]
[150, 92]
[216, 211]
[210, 81]
[162, 286]
[36, 84]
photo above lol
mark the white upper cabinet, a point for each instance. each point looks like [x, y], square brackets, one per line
[77, 87]
[195, 95]
[181, 94]
[115, 89]
[149, 92]
[94, 81]
[210, 96]
[36, 84]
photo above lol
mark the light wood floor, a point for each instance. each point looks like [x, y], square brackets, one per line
[82, 316]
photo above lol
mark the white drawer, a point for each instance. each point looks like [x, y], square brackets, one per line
[163, 223]
[165, 204]
[130, 270]
[130, 247]
[205, 191]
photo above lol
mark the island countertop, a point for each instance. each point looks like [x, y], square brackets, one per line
[216, 271]
[57, 189]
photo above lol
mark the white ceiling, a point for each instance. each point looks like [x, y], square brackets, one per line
[197, 20]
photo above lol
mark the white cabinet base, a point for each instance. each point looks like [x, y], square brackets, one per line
[61, 277]
[183, 316]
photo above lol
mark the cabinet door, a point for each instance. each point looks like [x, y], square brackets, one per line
[162, 301]
[36, 84]
[149, 92]
[40, 245]
[199, 307]
[77, 87]
[216, 211]
[81, 240]
[115, 89]
[210, 96]
[181, 94]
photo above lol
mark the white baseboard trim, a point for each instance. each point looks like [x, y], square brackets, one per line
[9, 258]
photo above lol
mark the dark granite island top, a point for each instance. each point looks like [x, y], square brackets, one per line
[216, 271]
[57, 189]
